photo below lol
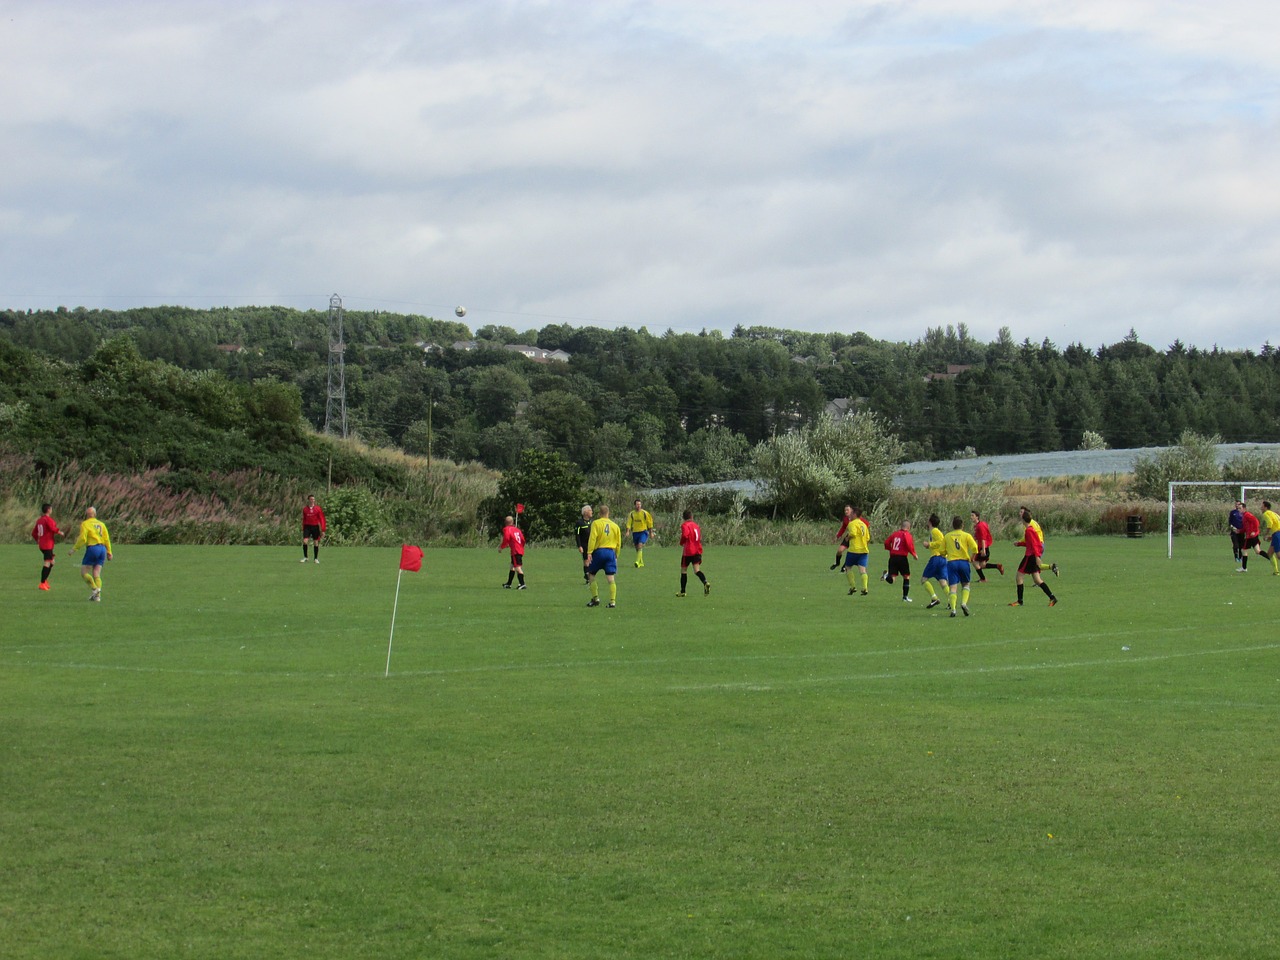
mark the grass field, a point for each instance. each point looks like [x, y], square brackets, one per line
[210, 763]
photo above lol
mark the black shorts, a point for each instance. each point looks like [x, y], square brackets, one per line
[1250, 542]
[1029, 565]
[695, 558]
[48, 554]
[899, 566]
[517, 559]
[311, 531]
[984, 554]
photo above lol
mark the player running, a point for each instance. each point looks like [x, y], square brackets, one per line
[640, 524]
[900, 545]
[691, 554]
[97, 550]
[1030, 565]
[961, 548]
[1249, 530]
[43, 533]
[858, 554]
[936, 567]
[1271, 521]
[842, 541]
[982, 536]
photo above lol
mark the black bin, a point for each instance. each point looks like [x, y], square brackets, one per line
[1135, 526]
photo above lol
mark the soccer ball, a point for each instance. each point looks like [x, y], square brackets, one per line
[460, 311]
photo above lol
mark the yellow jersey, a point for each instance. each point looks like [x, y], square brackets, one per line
[1272, 520]
[859, 536]
[937, 546]
[961, 545]
[605, 534]
[639, 521]
[93, 532]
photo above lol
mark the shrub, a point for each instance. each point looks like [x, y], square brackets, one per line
[353, 514]
[1194, 458]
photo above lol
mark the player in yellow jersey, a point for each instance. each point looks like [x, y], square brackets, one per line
[1271, 531]
[859, 552]
[603, 545]
[97, 550]
[936, 568]
[961, 549]
[640, 524]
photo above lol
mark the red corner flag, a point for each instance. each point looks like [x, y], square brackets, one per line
[519, 508]
[410, 558]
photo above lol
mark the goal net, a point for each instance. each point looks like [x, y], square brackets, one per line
[1245, 489]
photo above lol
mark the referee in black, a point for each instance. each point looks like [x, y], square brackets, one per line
[582, 533]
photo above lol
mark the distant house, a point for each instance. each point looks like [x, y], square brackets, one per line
[537, 354]
[426, 347]
[230, 348]
[842, 408]
[466, 346]
[953, 370]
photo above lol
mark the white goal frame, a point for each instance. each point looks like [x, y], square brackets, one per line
[1244, 488]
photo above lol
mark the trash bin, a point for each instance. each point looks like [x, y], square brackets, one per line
[1135, 526]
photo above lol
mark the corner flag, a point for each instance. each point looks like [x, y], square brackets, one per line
[411, 560]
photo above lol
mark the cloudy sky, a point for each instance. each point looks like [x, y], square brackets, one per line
[1069, 169]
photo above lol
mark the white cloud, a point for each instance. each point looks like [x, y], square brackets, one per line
[1069, 170]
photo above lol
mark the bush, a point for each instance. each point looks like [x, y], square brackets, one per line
[1193, 459]
[551, 489]
[353, 514]
[813, 471]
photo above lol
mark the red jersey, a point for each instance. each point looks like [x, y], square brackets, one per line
[691, 538]
[899, 544]
[844, 526]
[982, 534]
[313, 516]
[512, 537]
[1249, 526]
[1031, 540]
[45, 530]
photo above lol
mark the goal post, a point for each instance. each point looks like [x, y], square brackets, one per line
[1244, 490]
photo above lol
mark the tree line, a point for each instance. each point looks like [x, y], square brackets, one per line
[632, 406]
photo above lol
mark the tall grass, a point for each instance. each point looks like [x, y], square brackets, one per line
[435, 505]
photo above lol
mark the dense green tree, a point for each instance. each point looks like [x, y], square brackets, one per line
[551, 489]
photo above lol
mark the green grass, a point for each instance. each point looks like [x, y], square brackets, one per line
[210, 763]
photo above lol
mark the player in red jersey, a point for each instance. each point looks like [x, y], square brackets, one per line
[842, 538]
[1250, 530]
[691, 554]
[43, 533]
[313, 527]
[982, 534]
[900, 545]
[513, 538]
[1030, 564]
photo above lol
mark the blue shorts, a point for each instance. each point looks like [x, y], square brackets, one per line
[640, 538]
[957, 572]
[852, 559]
[936, 568]
[604, 559]
[1275, 542]
[94, 556]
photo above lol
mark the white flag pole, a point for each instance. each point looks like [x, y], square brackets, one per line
[394, 605]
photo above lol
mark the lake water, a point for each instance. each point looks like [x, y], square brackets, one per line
[1063, 463]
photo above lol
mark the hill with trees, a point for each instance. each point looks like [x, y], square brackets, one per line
[690, 407]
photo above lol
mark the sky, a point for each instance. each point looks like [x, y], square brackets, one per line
[1068, 169]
